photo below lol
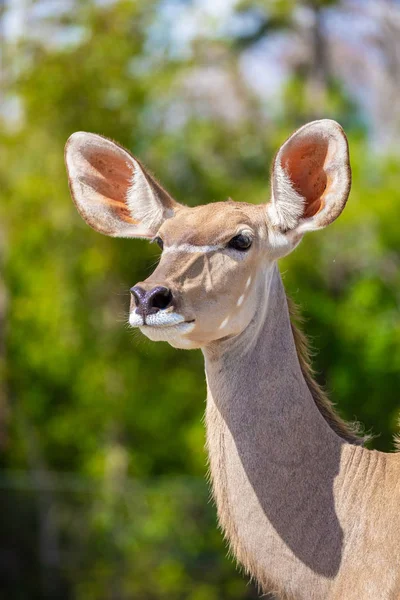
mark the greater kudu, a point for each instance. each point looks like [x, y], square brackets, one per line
[308, 511]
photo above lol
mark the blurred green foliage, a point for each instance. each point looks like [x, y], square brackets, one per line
[103, 457]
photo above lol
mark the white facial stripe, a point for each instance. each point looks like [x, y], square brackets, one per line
[240, 301]
[191, 248]
[224, 323]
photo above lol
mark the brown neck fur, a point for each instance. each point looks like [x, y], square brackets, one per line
[350, 432]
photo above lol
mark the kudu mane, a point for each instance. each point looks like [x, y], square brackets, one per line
[351, 432]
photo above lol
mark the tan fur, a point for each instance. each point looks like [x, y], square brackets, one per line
[308, 512]
[306, 537]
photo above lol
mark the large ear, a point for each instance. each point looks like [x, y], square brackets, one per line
[311, 178]
[112, 191]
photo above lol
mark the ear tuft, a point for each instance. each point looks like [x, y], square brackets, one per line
[311, 178]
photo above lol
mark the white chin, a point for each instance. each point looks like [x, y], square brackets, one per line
[173, 334]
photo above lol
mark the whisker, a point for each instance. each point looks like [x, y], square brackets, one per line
[153, 265]
[122, 316]
[121, 290]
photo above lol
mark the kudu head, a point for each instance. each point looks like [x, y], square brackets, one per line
[215, 257]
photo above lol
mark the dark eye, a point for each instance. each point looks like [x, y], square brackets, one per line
[159, 242]
[240, 242]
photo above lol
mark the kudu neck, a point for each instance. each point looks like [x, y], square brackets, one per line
[260, 368]
[274, 460]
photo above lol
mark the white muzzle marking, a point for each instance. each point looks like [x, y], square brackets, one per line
[159, 319]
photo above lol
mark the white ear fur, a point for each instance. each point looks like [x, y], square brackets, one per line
[112, 191]
[143, 203]
[311, 178]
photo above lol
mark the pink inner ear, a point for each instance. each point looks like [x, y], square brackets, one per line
[111, 176]
[304, 164]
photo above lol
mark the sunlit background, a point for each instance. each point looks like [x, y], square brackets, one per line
[102, 461]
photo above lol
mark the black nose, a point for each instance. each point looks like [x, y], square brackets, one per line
[149, 303]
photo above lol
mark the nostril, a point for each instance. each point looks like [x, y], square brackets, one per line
[138, 294]
[148, 303]
[160, 298]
